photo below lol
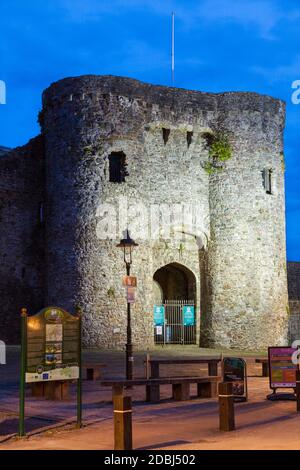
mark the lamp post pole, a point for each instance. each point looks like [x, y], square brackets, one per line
[127, 244]
[129, 357]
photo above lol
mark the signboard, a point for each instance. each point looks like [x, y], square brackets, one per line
[234, 370]
[159, 330]
[52, 346]
[130, 281]
[130, 295]
[159, 315]
[282, 371]
[188, 312]
[50, 351]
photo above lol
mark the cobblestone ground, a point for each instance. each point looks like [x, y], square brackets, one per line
[168, 425]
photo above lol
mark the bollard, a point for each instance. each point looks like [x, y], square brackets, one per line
[226, 407]
[123, 423]
[298, 390]
[147, 366]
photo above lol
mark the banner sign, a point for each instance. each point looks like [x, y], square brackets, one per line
[130, 295]
[188, 312]
[130, 281]
[159, 315]
[159, 330]
[282, 371]
[234, 370]
[52, 346]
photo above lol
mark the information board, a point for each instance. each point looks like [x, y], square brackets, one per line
[282, 371]
[234, 370]
[50, 351]
[188, 312]
[159, 315]
[52, 346]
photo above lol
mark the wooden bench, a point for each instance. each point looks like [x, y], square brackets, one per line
[265, 365]
[212, 363]
[93, 371]
[206, 387]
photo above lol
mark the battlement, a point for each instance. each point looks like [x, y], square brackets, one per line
[94, 88]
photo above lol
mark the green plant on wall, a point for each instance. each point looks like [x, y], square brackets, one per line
[219, 150]
[111, 292]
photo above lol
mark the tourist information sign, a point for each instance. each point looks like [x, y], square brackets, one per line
[159, 315]
[282, 370]
[188, 314]
[50, 351]
[234, 370]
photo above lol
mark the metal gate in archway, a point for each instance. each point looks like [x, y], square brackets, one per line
[175, 322]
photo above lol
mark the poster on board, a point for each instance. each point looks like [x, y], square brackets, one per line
[235, 371]
[282, 371]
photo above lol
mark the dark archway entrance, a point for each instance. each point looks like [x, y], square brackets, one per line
[175, 295]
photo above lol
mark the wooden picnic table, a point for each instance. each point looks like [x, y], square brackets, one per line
[206, 386]
[212, 363]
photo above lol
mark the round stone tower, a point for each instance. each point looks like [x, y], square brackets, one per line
[120, 153]
[246, 261]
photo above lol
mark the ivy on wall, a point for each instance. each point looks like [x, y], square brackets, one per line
[219, 150]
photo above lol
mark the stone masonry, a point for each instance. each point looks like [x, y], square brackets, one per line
[56, 193]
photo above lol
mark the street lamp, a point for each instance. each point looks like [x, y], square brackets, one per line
[128, 244]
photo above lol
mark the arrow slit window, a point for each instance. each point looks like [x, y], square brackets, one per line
[267, 180]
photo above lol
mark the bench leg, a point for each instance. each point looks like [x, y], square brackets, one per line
[265, 369]
[213, 368]
[207, 390]
[152, 393]
[90, 374]
[181, 391]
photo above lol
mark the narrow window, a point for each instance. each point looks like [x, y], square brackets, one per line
[189, 138]
[267, 180]
[166, 134]
[41, 213]
[117, 167]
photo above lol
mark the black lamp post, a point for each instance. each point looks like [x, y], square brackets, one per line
[128, 244]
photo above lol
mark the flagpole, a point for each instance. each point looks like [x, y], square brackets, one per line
[173, 48]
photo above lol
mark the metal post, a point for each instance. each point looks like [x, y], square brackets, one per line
[298, 390]
[129, 357]
[79, 381]
[23, 371]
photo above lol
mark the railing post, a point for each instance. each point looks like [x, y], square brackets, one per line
[226, 407]
[298, 390]
[122, 423]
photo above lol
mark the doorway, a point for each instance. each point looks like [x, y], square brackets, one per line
[174, 305]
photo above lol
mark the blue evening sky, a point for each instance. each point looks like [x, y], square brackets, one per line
[221, 45]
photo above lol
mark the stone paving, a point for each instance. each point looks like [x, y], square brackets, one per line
[168, 425]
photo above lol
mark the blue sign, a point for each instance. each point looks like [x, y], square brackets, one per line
[159, 315]
[188, 315]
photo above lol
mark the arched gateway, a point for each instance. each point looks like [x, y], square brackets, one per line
[174, 305]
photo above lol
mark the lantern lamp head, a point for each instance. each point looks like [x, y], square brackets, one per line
[127, 243]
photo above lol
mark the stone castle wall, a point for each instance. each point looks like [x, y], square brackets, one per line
[234, 247]
[241, 272]
[22, 262]
[247, 254]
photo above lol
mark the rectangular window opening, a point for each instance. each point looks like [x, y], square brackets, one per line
[189, 138]
[267, 180]
[166, 134]
[117, 167]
